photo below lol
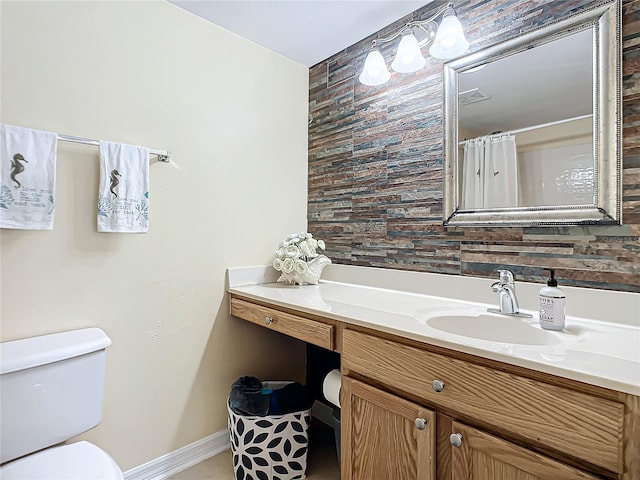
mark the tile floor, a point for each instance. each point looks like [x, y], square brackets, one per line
[322, 460]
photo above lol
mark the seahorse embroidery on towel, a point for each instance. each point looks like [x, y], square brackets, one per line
[17, 167]
[114, 181]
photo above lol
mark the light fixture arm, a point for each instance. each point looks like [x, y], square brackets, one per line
[446, 41]
[432, 26]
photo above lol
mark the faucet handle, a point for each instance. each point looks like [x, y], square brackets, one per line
[506, 277]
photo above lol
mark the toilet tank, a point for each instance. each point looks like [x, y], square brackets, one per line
[51, 389]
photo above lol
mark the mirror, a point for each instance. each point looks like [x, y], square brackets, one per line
[532, 127]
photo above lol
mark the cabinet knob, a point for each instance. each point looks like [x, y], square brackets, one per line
[268, 320]
[421, 423]
[456, 439]
[437, 385]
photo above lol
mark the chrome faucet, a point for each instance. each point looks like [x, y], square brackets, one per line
[506, 289]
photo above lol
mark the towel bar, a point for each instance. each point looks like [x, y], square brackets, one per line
[163, 155]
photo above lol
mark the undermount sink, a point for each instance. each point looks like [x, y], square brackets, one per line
[494, 328]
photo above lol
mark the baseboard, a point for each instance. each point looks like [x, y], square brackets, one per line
[181, 459]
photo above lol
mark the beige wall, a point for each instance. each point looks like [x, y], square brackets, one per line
[234, 116]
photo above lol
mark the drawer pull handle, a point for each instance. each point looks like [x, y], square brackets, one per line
[421, 423]
[437, 385]
[268, 320]
[456, 439]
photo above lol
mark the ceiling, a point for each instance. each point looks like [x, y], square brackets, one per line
[310, 31]
[306, 31]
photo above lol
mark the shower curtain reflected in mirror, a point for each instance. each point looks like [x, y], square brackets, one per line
[490, 172]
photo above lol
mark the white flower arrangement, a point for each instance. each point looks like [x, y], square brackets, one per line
[293, 256]
[295, 251]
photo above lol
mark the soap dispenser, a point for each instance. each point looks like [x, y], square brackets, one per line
[552, 302]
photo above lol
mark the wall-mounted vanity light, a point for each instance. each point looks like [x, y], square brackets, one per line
[447, 41]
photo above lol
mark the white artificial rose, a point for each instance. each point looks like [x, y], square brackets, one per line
[307, 249]
[280, 252]
[300, 266]
[321, 244]
[292, 251]
[313, 242]
[277, 264]
[288, 265]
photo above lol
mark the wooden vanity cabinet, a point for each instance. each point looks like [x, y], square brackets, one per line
[402, 401]
[506, 426]
[385, 437]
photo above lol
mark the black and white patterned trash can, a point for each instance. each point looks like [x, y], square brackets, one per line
[273, 447]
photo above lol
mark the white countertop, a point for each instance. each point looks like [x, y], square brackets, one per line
[596, 352]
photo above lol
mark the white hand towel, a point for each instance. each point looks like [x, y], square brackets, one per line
[27, 178]
[123, 198]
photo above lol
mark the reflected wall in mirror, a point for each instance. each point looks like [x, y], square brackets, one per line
[532, 127]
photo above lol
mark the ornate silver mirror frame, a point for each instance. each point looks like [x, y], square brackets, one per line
[604, 21]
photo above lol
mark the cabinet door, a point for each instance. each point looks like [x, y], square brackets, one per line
[385, 437]
[479, 456]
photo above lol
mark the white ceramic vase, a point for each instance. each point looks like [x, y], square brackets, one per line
[311, 276]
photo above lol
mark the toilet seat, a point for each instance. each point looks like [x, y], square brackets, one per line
[75, 461]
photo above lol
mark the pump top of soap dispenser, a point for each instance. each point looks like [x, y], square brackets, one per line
[552, 282]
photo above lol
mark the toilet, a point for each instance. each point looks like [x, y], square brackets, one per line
[51, 389]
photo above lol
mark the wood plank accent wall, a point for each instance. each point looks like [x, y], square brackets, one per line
[376, 156]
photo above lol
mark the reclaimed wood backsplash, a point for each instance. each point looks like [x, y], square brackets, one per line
[376, 156]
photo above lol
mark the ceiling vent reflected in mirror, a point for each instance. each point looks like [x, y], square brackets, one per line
[472, 96]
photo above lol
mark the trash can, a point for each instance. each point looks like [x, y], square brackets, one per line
[270, 446]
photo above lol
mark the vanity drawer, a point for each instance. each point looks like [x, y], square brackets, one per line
[584, 426]
[311, 331]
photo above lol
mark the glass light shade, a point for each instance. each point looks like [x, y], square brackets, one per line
[375, 70]
[408, 57]
[449, 41]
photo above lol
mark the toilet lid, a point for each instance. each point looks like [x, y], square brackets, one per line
[75, 461]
